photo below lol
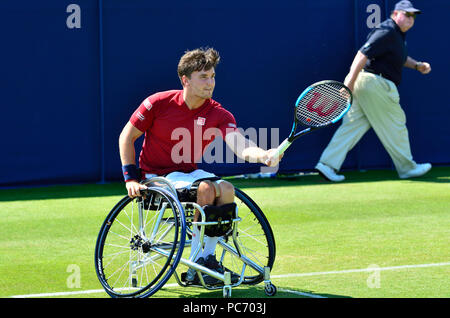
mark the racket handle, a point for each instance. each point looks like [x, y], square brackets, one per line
[282, 148]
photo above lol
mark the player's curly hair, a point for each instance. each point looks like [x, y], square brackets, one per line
[197, 60]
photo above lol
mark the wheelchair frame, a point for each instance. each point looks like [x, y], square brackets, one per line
[147, 249]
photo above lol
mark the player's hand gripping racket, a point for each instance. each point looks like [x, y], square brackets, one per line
[321, 104]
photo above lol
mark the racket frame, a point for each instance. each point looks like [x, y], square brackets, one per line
[293, 136]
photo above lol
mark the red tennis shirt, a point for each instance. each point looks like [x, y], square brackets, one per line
[175, 136]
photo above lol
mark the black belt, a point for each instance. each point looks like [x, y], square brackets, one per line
[373, 72]
[379, 74]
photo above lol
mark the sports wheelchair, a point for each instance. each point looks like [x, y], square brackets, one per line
[144, 240]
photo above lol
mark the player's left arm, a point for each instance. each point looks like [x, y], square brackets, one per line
[422, 67]
[247, 150]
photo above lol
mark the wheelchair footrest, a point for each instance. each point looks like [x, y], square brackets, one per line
[209, 281]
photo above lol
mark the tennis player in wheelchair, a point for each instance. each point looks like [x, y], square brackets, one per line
[170, 120]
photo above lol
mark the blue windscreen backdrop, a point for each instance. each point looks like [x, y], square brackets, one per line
[74, 71]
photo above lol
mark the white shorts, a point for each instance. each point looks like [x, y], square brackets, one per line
[182, 180]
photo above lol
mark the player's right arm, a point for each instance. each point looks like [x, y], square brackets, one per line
[127, 139]
[246, 149]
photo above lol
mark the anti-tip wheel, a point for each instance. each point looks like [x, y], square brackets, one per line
[270, 289]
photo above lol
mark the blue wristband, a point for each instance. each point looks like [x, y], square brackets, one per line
[130, 172]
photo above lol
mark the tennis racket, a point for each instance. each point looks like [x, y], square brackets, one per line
[321, 104]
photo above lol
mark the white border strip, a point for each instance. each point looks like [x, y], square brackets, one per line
[370, 269]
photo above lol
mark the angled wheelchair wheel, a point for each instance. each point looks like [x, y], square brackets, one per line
[140, 244]
[255, 240]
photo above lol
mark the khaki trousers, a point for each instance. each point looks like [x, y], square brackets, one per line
[375, 104]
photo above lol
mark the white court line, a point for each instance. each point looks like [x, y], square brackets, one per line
[301, 293]
[81, 292]
[369, 269]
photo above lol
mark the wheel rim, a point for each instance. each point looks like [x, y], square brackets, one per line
[135, 256]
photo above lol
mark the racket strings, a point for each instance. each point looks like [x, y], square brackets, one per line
[322, 104]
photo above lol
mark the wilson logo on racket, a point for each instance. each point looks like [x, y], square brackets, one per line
[319, 110]
[330, 101]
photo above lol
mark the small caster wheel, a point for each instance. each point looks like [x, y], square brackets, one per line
[270, 289]
[134, 282]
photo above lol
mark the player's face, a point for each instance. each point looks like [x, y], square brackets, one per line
[405, 20]
[202, 83]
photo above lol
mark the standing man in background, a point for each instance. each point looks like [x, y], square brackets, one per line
[374, 77]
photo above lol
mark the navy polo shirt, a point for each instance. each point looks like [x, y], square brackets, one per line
[386, 51]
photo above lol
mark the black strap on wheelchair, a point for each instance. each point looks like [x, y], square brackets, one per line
[213, 213]
[190, 195]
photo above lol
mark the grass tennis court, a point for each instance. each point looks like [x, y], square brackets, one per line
[371, 236]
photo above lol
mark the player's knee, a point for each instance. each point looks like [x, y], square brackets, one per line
[206, 193]
[226, 192]
[226, 188]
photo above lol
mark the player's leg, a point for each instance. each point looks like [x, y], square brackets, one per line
[217, 193]
[206, 195]
[210, 193]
